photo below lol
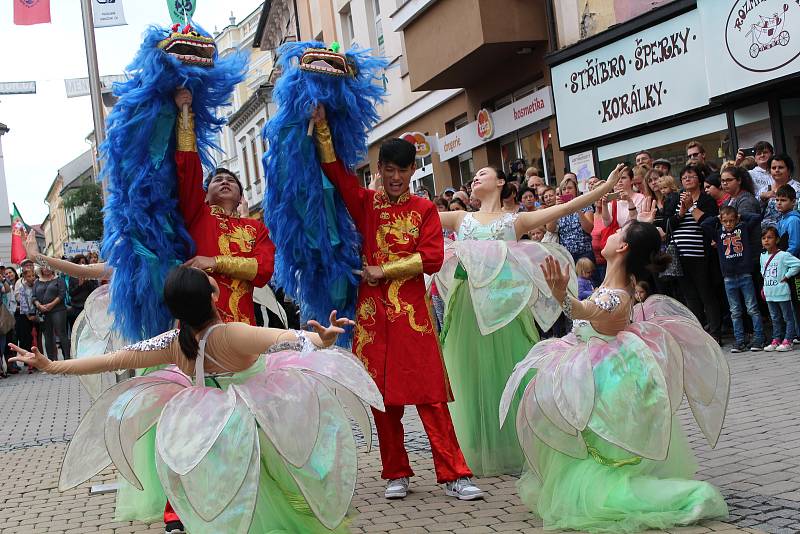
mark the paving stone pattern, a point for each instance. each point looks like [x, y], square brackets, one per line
[756, 464]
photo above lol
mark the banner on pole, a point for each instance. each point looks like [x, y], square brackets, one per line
[18, 228]
[181, 10]
[80, 86]
[72, 248]
[108, 13]
[27, 12]
[17, 88]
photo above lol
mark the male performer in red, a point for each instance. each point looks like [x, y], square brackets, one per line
[234, 250]
[394, 335]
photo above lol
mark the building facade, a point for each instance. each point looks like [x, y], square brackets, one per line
[57, 224]
[705, 70]
[251, 106]
[5, 215]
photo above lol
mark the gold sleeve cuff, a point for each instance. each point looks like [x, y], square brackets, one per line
[322, 133]
[407, 267]
[237, 267]
[184, 134]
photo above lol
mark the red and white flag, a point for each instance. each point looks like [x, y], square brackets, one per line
[27, 12]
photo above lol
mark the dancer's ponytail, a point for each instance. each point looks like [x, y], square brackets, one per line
[187, 292]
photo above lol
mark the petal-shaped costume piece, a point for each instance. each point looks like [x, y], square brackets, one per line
[358, 410]
[505, 276]
[631, 397]
[667, 353]
[336, 364]
[328, 480]
[136, 409]
[286, 406]
[92, 334]
[699, 378]
[538, 356]
[528, 441]
[573, 387]
[566, 443]
[211, 486]
[236, 518]
[662, 306]
[544, 392]
[86, 454]
[182, 440]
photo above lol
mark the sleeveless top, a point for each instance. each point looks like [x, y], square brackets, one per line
[500, 229]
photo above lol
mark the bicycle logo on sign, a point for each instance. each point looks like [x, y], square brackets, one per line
[768, 32]
[757, 34]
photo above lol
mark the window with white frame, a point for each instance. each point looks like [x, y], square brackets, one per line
[376, 7]
[348, 30]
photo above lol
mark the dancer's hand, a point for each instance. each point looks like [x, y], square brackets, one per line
[648, 213]
[318, 114]
[183, 97]
[34, 359]
[328, 335]
[556, 280]
[613, 178]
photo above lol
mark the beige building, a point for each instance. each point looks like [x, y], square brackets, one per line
[56, 225]
[251, 106]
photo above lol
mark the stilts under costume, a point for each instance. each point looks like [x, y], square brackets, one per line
[494, 291]
[597, 422]
[317, 244]
[144, 233]
[267, 447]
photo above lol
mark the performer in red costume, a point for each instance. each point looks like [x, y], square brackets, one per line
[394, 335]
[236, 251]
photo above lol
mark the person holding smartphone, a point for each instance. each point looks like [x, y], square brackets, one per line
[762, 152]
[574, 229]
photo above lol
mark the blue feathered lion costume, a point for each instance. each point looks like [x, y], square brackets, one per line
[144, 232]
[317, 245]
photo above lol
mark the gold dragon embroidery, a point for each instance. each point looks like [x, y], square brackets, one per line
[365, 316]
[244, 237]
[401, 229]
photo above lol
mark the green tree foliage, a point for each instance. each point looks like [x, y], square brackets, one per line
[88, 226]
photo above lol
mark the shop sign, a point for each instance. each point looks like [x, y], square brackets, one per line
[749, 41]
[420, 141]
[643, 77]
[72, 248]
[485, 124]
[525, 111]
[582, 166]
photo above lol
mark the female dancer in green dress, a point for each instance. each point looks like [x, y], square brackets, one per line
[597, 423]
[494, 292]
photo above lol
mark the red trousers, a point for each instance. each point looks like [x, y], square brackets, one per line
[447, 457]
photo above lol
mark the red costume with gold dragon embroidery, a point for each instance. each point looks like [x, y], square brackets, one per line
[394, 335]
[244, 254]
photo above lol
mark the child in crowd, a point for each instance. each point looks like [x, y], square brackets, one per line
[731, 232]
[788, 220]
[537, 234]
[777, 267]
[641, 291]
[584, 269]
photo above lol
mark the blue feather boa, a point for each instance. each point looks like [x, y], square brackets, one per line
[317, 244]
[145, 235]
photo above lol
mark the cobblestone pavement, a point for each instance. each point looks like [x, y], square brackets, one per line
[756, 465]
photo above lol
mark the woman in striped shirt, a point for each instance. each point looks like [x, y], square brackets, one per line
[700, 275]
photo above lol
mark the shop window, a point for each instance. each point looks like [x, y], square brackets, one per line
[508, 153]
[752, 125]
[790, 118]
[466, 168]
[670, 144]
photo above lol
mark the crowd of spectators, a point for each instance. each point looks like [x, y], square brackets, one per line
[712, 218]
[41, 308]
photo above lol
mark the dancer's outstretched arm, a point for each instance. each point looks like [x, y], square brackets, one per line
[94, 271]
[238, 343]
[533, 219]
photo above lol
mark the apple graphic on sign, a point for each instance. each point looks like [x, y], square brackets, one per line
[485, 124]
[419, 141]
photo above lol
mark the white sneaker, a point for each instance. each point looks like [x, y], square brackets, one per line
[397, 488]
[464, 489]
[786, 346]
[772, 346]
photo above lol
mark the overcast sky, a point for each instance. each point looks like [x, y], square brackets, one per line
[48, 129]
